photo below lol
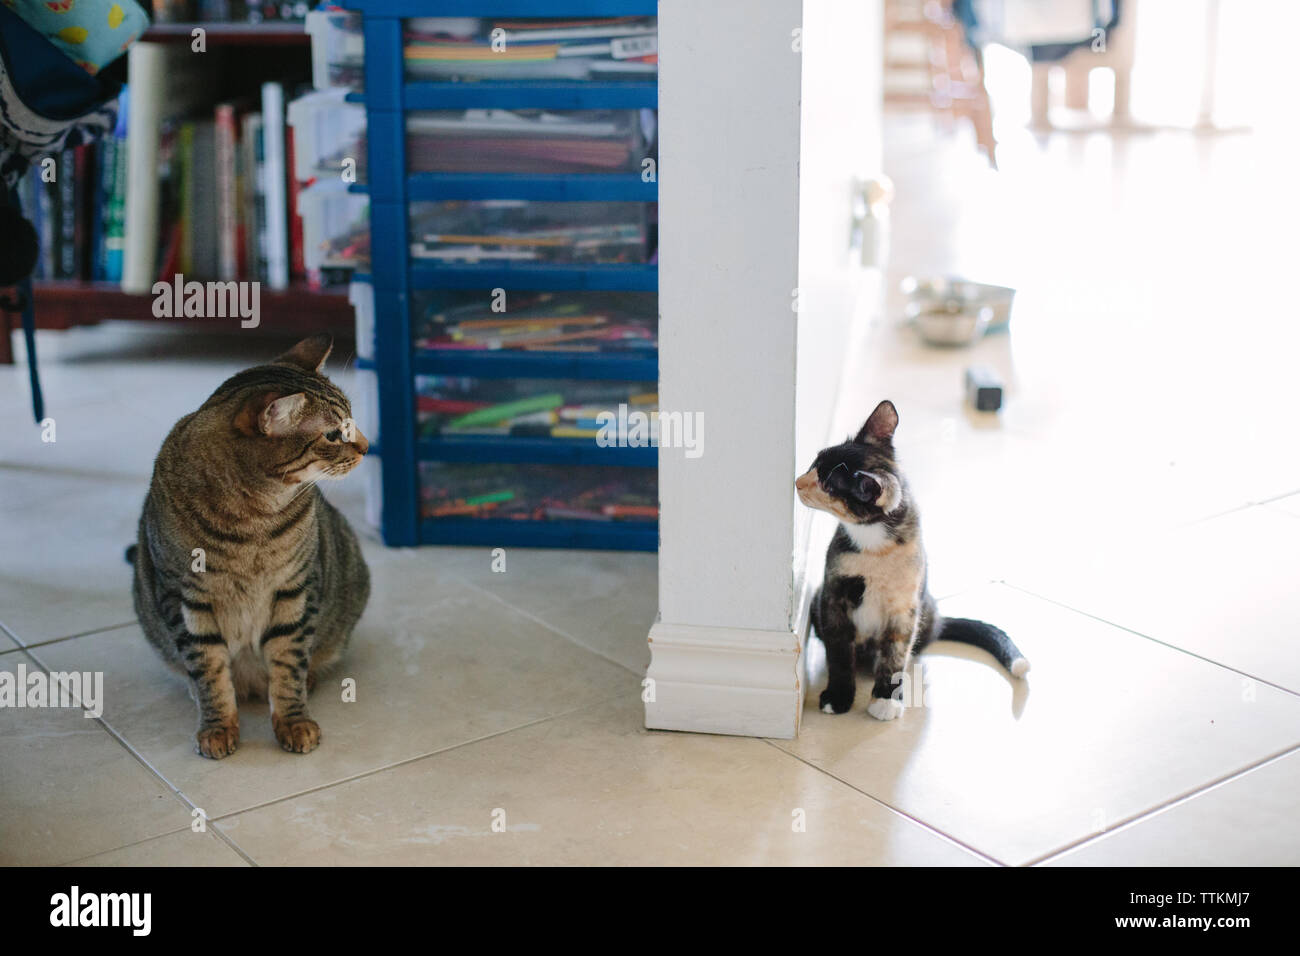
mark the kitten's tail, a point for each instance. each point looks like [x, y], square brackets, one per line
[130, 553]
[989, 638]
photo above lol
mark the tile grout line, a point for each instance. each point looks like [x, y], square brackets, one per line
[1143, 816]
[1148, 637]
[1276, 498]
[185, 800]
[947, 838]
[215, 821]
[67, 637]
[1236, 510]
[150, 768]
[409, 760]
[150, 839]
[550, 627]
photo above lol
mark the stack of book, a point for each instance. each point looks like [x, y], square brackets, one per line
[76, 200]
[214, 199]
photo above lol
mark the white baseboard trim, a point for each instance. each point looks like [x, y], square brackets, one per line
[720, 680]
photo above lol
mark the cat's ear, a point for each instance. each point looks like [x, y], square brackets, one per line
[309, 354]
[879, 426]
[280, 417]
[271, 414]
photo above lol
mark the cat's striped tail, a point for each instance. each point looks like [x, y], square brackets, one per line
[987, 637]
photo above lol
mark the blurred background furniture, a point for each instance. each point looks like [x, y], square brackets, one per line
[929, 63]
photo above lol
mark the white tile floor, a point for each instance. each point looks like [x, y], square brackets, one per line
[1132, 518]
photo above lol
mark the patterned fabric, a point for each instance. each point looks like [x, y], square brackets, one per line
[43, 109]
[91, 33]
[26, 136]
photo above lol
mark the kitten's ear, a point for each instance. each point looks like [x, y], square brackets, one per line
[271, 414]
[880, 425]
[309, 354]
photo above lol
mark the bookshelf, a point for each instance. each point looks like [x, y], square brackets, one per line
[229, 33]
[270, 49]
[67, 303]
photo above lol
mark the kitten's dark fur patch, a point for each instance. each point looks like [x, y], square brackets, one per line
[874, 609]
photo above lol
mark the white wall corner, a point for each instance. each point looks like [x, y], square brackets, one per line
[725, 654]
[722, 680]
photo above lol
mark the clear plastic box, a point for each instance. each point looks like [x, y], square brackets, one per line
[335, 227]
[481, 49]
[529, 141]
[596, 493]
[329, 137]
[508, 230]
[338, 49]
[486, 320]
[453, 405]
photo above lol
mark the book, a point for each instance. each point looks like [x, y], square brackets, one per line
[167, 81]
[251, 197]
[201, 182]
[65, 192]
[83, 171]
[297, 266]
[105, 158]
[114, 213]
[147, 66]
[226, 132]
[275, 185]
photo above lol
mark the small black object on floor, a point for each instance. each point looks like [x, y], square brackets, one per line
[983, 388]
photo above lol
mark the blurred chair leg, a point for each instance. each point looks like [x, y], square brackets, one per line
[1039, 95]
[1123, 88]
[1076, 82]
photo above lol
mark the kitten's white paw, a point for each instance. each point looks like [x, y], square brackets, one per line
[884, 708]
[827, 709]
[1019, 667]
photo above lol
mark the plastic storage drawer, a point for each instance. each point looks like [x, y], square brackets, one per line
[338, 49]
[335, 227]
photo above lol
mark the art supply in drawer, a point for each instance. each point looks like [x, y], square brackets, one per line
[531, 408]
[525, 231]
[529, 141]
[560, 321]
[538, 492]
[465, 48]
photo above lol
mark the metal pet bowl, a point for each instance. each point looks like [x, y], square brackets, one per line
[951, 323]
[938, 300]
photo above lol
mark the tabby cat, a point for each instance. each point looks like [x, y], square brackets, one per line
[874, 608]
[246, 579]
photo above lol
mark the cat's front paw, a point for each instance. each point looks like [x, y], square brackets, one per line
[884, 708]
[218, 741]
[301, 735]
[836, 700]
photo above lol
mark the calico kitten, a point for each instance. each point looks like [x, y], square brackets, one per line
[271, 599]
[874, 607]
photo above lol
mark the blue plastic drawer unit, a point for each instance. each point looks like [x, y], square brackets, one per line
[511, 170]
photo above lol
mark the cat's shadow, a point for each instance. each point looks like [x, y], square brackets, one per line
[815, 670]
[951, 649]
